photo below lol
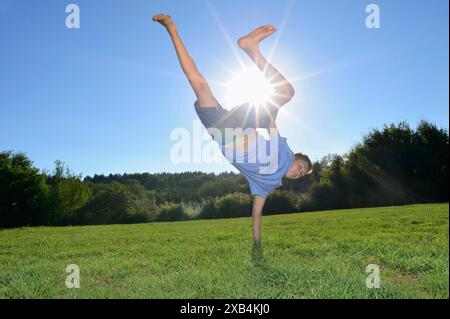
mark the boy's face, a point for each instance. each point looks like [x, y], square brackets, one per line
[298, 169]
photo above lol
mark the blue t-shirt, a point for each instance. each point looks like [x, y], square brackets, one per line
[264, 163]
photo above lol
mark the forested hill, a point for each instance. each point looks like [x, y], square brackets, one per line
[190, 186]
[394, 165]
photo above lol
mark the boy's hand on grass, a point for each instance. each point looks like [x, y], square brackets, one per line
[165, 20]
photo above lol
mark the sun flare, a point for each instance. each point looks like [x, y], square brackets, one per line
[249, 86]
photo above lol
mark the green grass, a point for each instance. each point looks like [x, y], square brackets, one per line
[311, 255]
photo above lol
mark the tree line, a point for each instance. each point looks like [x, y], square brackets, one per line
[394, 165]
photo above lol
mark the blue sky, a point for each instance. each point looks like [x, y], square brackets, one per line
[104, 98]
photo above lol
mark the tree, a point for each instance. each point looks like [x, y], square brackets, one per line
[23, 191]
[67, 195]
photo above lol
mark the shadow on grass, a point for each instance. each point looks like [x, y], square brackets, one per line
[257, 254]
[266, 275]
[261, 265]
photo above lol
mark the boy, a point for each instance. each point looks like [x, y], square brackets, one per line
[245, 150]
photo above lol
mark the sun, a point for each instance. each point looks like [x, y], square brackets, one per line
[249, 86]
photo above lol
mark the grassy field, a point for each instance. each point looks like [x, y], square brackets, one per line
[311, 255]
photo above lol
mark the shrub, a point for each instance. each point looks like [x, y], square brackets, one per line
[281, 202]
[231, 205]
[170, 212]
[305, 203]
[209, 209]
[67, 195]
[110, 204]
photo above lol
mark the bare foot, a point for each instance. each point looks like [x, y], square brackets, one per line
[165, 20]
[251, 40]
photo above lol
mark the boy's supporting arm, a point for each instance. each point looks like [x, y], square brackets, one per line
[258, 205]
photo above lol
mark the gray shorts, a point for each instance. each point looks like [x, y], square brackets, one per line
[243, 116]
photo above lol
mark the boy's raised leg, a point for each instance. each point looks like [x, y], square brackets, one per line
[250, 44]
[198, 83]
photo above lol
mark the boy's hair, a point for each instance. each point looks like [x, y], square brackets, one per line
[305, 158]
